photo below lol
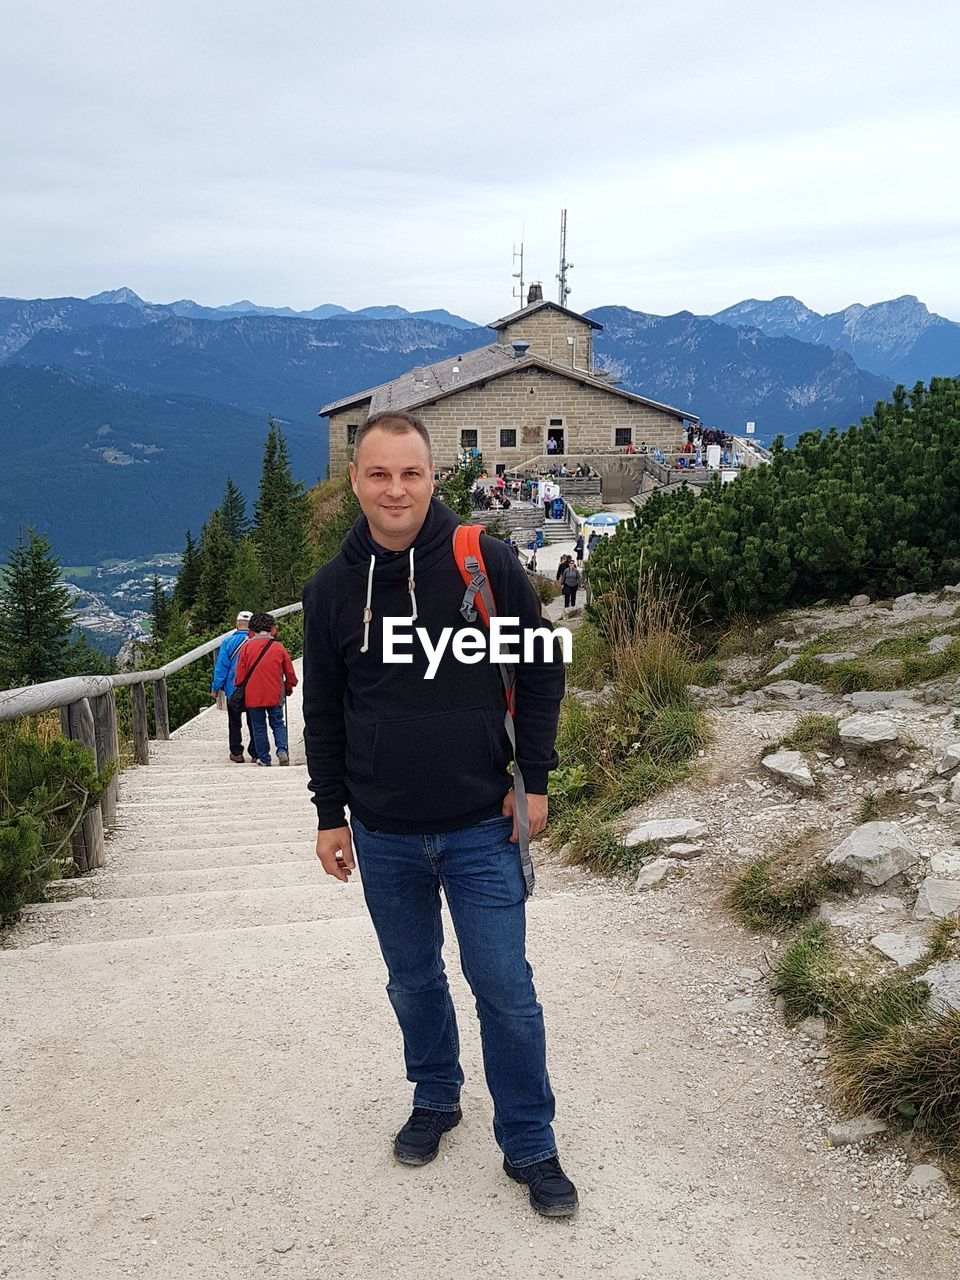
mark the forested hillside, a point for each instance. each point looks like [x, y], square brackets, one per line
[875, 510]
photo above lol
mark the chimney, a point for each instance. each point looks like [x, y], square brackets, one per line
[535, 294]
[419, 374]
[519, 348]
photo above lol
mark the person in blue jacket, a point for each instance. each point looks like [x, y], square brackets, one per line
[224, 678]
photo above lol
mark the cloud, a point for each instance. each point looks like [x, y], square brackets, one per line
[375, 152]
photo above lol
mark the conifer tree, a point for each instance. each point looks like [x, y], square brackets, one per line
[280, 523]
[233, 513]
[188, 579]
[217, 555]
[246, 589]
[35, 636]
[159, 608]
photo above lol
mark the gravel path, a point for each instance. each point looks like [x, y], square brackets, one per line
[202, 1076]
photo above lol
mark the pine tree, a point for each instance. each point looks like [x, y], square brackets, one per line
[246, 589]
[35, 636]
[188, 579]
[217, 557]
[280, 523]
[159, 608]
[233, 513]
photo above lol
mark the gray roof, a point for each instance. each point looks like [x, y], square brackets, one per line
[539, 306]
[447, 377]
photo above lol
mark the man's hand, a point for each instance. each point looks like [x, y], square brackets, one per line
[335, 851]
[536, 808]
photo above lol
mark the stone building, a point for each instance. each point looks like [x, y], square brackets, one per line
[536, 383]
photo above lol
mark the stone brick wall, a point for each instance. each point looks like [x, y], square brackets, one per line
[526, 402]
[547, 332]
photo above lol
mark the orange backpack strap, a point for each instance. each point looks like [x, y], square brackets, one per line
[478, 597]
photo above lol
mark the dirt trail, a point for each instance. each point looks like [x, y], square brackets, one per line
[202, 1076]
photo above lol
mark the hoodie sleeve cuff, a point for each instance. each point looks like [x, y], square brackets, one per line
[331, 819]
[535, 780]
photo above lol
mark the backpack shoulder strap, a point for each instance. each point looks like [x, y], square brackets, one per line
[478, 597]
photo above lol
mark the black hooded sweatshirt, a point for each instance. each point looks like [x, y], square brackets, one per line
[410, 755]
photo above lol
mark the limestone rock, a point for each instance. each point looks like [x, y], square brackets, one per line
[950, 759]
[653, 873]
[937, 898]
[953, 795]
[944, 982]
[739, 1006]
[906, 600]
[813, 1028]
[946, 866]
[923, 1176]
[791, 767]
[858, 1130]
[781, 667]
[940, 644]
[857, 602]
[790, 690]
[952, 591]
[831, 659]
[867, 731]
[898, 947]
[876, 851]
[665, 829]
[883, 699]
[684, 851]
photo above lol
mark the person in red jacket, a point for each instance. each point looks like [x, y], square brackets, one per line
[265, 664]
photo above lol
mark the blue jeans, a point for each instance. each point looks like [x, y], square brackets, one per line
[480, 874]
[261, 740]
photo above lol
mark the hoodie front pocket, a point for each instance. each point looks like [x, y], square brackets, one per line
[439, 766]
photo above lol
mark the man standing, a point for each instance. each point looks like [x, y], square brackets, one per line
[224, 679]
[423, 763]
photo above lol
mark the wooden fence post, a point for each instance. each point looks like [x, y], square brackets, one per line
[108, 751]
[141, 731]
[88, 838]
[161, 714]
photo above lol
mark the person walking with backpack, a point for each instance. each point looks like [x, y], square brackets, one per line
[424, 766]
[266, 676]
[570, 581]
[224, 681]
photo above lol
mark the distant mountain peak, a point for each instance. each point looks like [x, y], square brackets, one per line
[114, 297]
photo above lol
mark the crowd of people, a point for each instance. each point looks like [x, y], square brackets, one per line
[253, 662]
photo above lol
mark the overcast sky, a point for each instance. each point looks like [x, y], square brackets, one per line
[374, 151]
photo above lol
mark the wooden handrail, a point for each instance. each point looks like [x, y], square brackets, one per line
[88, 714]
[34, 698]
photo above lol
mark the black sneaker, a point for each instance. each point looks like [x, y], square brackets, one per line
[419, 1139]
[551, 1191]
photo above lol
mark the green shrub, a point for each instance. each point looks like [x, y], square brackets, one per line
[45, 789]
[707, 674]
[590, 668]
[547, 589]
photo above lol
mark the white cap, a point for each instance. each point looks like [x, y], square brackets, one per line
[245, 614]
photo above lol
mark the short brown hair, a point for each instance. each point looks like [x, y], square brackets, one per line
[399, 422]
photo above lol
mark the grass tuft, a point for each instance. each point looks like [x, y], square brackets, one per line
[813, 733]
[782, 890]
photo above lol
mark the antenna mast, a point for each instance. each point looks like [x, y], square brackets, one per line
[565, 266]
[518, 275]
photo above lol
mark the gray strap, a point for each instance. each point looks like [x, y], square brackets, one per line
[479, 585]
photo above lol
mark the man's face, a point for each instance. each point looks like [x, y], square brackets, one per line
[393, 480]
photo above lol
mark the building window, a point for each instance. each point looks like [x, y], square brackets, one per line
[468, 438]
[352, 429]
[622, 436]
[508, 438]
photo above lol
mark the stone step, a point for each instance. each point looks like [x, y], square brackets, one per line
[110, 920]
[204, 856]
[213, 833]
[121, 883]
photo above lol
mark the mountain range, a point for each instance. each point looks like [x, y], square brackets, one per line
[120, 419]
[899, 339]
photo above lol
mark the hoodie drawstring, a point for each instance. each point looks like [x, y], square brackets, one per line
[368, 611]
